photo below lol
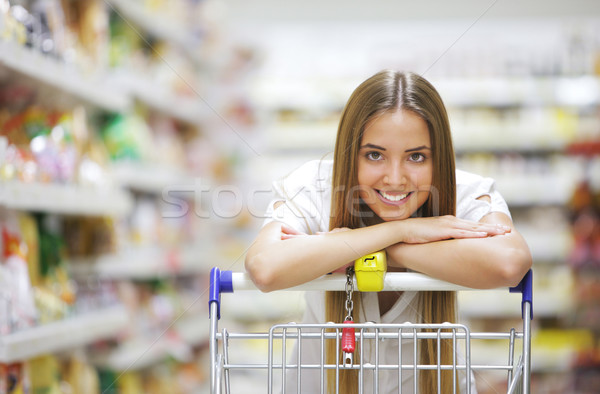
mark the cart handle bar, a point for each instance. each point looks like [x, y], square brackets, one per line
[227, 281]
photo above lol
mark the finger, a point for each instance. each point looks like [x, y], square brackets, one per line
[470, 234]
[464, 223]
[290, 230]
[291, 236]
[496, 229]
[492, 228]
[484, 230]
[504, 227]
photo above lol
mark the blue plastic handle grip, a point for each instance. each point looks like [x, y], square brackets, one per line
[525, 287]
[220, 282]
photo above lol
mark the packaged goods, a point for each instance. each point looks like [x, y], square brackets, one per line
[17, 308]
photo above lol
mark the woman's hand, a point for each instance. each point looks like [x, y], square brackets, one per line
[482, 255]
[431, 229]
[288, 232]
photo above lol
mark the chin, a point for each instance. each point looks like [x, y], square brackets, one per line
[392, 217]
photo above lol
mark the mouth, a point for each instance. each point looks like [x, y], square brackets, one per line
[393, 198]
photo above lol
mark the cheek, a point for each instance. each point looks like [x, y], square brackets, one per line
[365, 175]
[366, 180]
[422, 178]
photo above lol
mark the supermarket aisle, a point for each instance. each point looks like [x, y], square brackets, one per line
[105, 139]
[138, 140]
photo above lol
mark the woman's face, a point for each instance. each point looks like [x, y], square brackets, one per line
[395, 165]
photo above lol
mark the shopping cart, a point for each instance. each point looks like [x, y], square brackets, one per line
[277, 366]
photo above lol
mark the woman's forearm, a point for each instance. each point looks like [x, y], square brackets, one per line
[491, 262]
[276, 264]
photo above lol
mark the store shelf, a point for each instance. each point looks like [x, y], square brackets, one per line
[193, 330]
[542, 359]
[155, 24]
[548, 245]
[188, 109]
[150, 178]
[62, 335]
[468, 146]
[519, 138]
[525, 91]
[301, 137]
[65, 199]
[93, 89]
[146, 263]
[140, 353]
[286, 305]
[552, 297]
[134, 355]
[311, 94]
[523, 190]
[109, 92]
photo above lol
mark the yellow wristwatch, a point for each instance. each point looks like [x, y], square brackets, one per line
[370, 271]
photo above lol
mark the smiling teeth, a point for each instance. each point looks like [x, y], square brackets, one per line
[390, 197]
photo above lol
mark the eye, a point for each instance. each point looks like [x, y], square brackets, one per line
[417, 157]
[373, 155]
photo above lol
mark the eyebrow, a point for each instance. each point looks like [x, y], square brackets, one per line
[418, 148]
[373, 146]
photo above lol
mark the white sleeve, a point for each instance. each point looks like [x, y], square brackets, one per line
[303, 200]
[469, 187]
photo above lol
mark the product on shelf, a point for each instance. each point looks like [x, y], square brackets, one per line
[89, 236]
[169, 140]
[50, 375]
[72, 31]
[56, 294]
[86, 31]
[126, 137]
[13, 379]
[153, 61]
[80, 376]
[40, 149]
[45, 374]
[18, 162]
[11, 29]
[585, 207]
[51, 147]
[17, 308]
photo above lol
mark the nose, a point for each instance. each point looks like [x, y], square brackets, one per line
[395, 175]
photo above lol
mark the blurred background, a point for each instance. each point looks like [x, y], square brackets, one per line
[139, 140]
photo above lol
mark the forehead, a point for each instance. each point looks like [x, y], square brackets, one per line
[396, 128]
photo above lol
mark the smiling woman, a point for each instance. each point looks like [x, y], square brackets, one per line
[392, 186]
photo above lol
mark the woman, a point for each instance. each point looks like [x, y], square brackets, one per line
[392, 186]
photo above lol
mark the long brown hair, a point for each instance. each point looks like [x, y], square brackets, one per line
[383, 92]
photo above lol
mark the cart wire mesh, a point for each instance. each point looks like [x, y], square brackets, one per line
[288, 372]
